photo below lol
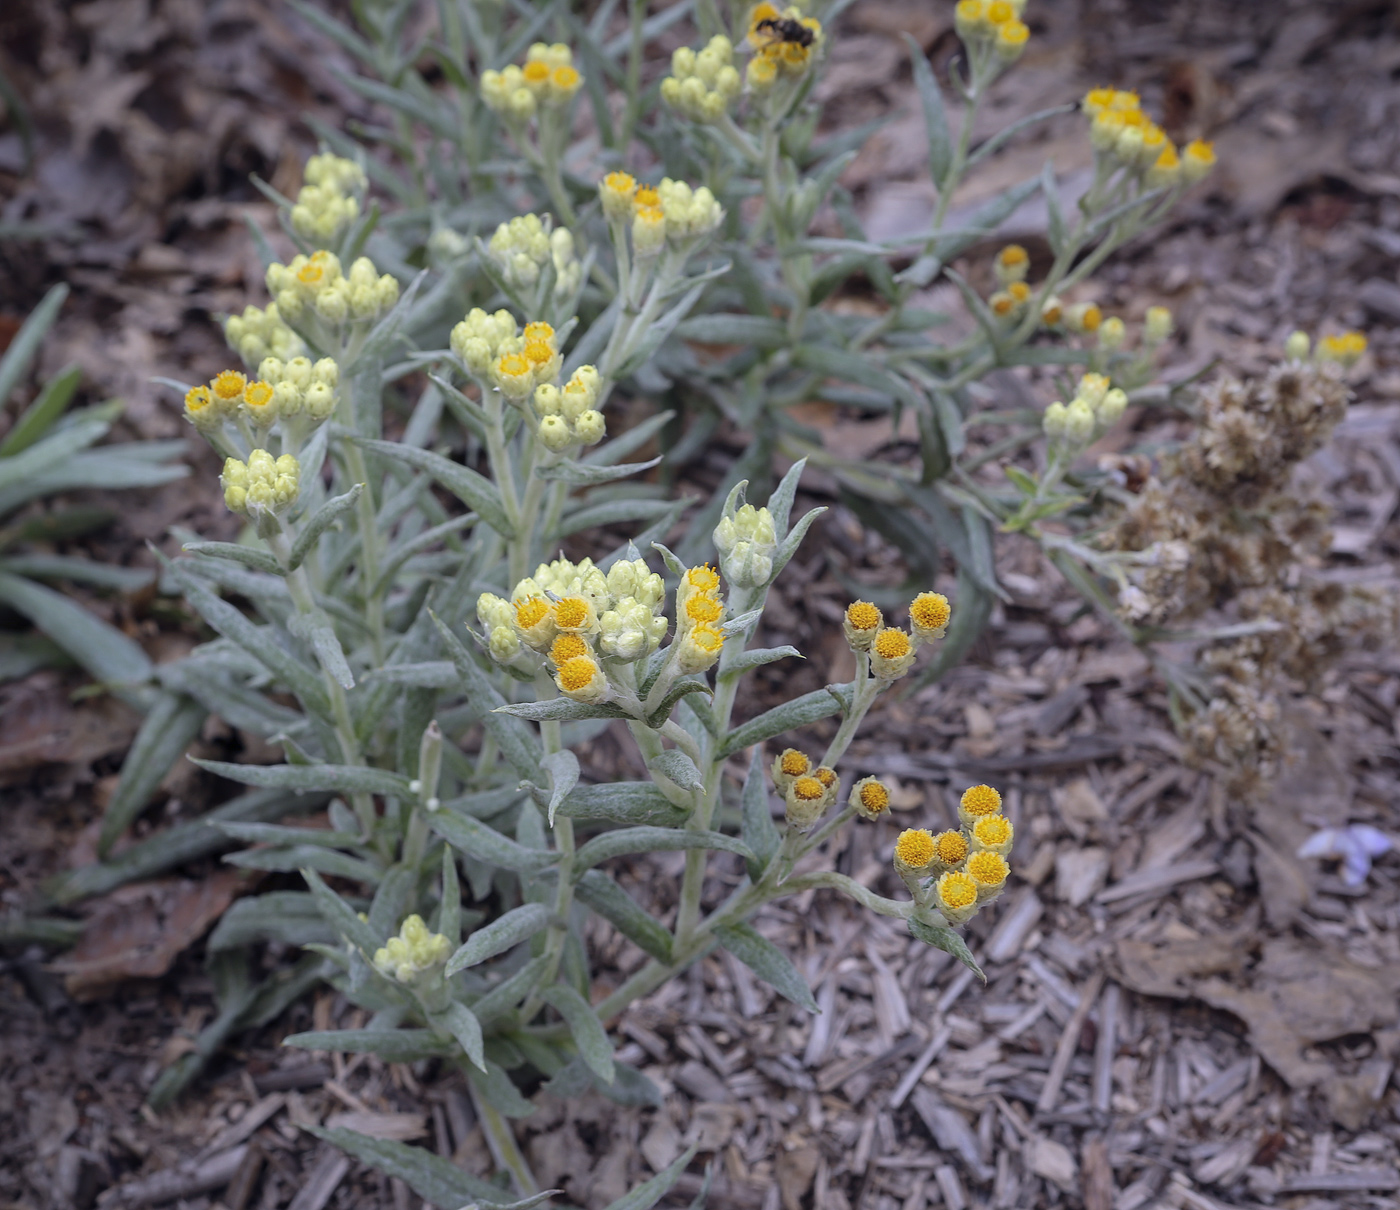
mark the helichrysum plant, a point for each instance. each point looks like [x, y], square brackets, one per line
[421, 411]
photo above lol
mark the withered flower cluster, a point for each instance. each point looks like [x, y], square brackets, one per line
[1230, 536]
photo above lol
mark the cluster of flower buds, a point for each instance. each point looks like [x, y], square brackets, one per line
[413, 952]
[1011, 266]
[548, 80]
[261, 332]
[1095, 408]
[671, 213]
[892, 650]
[993, 25]
[577, 616]
[481, 338]
[313, 287]
[807, 789]
[699, 615]
[1343, 350]
[968, 866]
[1157, 326]
[1122, 132]
[297, 391]
[261, 486]
[702, 84]
[526, 362]
[329, 201]
[523, 248]
[567, 415]
[785, 44]
[746, 541]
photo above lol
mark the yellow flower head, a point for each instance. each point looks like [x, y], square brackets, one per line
[515, 375]
[929, 614]
[646, 198]
[913, 851]
[567, 647]
[808, 789]
[1084, 317]
[1003, 304]
[616, 191]
[1052, 311]
[870, 797]
[1096, 100]
[891, 654]
[806, 800]
[258, 400]
[1344, 350]
[794, 763]
[955, 895]
[564, 82]
[1165, 170]
[1012, 37]
[581, 679]
[976, 802]
[534, 620]
[949, 849]
[1019, 291]
[575, 615]
[228, 386]
[989, 871]
[993, 833]
[861, 624]
[826, 775]
[699, 649]
[1012, 264]
[1197, 159]
[202, 410]
[536, 75]
[702, 609]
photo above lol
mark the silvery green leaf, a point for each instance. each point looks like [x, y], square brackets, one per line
[588, 1033]
[499, 1092]
[1055, 218]
[599, 892]
[15, 364]
[468, 413]
[450, 914]
[392, 1045]
[677, 767]
[758, 830]
[320, 521]
[396, 893]
[338, 32]
[646, 840]
[475, 839]
[631, 1088]
[744, 624]
[1006, 134]
[663, 327]
[316, 629]
[341, 917]
[940, 143]
[345, 779]
[852, 367]
[254, 639]
[283, 834]
[648, 1193]
[780, 502]
[629, 802]
[562, 768]
[506, 932]
[305, 857]
[518, 744]
[946, 939]
[101, 649]
[258, 560]
[680, 689]
[432, 1178]
[986, 220]
[794, 538]
[800, 712]
[290, 917]
[475, 491]
[571, 1081]
[167, 730]
[611, 512]
[462, 1024]
[952, 530]
[617, 448]
[113, 468]
[747, 660]
[557, 709]
[673, 564]
[431, 674]
[750, 331]
[174, 846]
[81, 571]
[508, 994]
[768, 962]
[580, 474]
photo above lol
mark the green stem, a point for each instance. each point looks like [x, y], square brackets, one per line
[500, 1141]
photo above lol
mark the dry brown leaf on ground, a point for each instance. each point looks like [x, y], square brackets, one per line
[138, 931]
[43, 725]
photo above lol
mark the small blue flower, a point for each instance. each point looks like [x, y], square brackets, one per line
[1354, 845]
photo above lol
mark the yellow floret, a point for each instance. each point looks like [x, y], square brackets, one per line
[914, 848]
[702, 609]
[703, 578]
[577, 673]
[794, 763]
[808, 789]
[980, 800]
[531, 612]
[892, 644]
[567, 647]
[229, 385]
[574, 613]
[989, 871]
[950, 848]
[957, 890]
[930, 611]
[862, 615]
[826, 775]
[874, 796]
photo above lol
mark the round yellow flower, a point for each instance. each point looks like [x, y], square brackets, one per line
[567, 647]
[891, 654]
[575, 615]
[581, 679]
[950, 849]
[700, 610]
[976, 802]
[913, 850]
[861, 624]
[993, 833]
[228, 386]
[870, 797]
[929, 614]
[794, 763]
[989, 871]
[955, 895]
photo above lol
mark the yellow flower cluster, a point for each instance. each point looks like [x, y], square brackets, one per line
[329, 201]
[969, 863]
[570, 611]
[699, 612]
[263, 484]
[746, 543]
[1095, 408]
[412, 952]
[994, 24]
[548, 80]
[315, 286]
[808, 789]
[701, 85]
[282, 391]
[890, 649]
[260, 332]
[525, 245]
[567, 415]
[481, 337]
[785, 44]
[1344, 350]
[671, 211]
[1123, 132]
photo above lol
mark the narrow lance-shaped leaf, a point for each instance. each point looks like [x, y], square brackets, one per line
[940, 143]
[589, 1035]
[166, 731]
[320, 521]
[340, 915]
[800, 712]
[759, 831]
[677, 767]
[517, 925]
[475, 491]
[25, 345]
[648, 1193]
[646, 840]
[768, 962]
[475, 839]
[432, 1178]
[258, 560]
[563, 774]
[461, 1022]
[347, 779]
[499, 1092]
[599, 892]
[946, 939]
